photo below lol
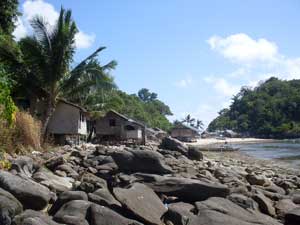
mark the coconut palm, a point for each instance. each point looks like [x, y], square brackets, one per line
[188, 120]
[199, 125]
[42, 64]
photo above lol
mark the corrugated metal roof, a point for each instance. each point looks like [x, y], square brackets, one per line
[126, 118]
[188, 126]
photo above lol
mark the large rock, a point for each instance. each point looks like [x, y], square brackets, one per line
[215, 211]
[142, 202]
[243, 201]
[9, 207]
[101, 215]
[54, 162]
[284, 206]
[91, 183]
[195, 153]
[73, 213]
[103, 197]
[265, 204]
[52, 181]
[30, 217]
[67, 197]
[68, 170]
[144, 161]
[23, 165]
[186, 189]
[293, 217]
[174, 145]
[31, 194]
[180, 213]
[254, 179]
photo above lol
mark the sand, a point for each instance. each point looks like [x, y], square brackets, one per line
[211, 141]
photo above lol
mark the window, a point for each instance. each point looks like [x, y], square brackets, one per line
[129, 127]
[112, 122]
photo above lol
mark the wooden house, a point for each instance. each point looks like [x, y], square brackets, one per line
[68, 122]
[185, 132]
[119, 128]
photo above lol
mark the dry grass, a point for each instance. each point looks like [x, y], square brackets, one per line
[24, 134]
[29, 130]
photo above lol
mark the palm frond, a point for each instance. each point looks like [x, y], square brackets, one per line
[84, 66]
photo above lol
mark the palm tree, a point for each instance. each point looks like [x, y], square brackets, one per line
[188, 120]
[199, 125]
[43, 64]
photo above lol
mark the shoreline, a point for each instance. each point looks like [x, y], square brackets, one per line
[213, 141]
[246, 159]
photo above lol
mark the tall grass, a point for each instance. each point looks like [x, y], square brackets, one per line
[25, 133]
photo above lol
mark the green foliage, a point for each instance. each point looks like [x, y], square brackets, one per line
[8, 15]
[7, 106]
[270, 110]
[41, 63]
[145, 95]
[153, 112]
[191, 122]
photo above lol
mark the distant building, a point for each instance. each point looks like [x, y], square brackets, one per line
[116, 127]
[68, 122]
[185, 132]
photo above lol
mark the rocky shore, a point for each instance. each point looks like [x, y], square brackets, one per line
[170, 184]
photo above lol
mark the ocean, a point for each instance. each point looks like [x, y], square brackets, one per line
[287, 151]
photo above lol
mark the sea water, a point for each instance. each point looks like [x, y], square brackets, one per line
[287, 151]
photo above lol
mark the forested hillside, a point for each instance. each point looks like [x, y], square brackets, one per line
[270, 110]
[143, 106]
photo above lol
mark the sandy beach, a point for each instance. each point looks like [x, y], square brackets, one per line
[211, 141]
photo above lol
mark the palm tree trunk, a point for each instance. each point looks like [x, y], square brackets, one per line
[47, 117]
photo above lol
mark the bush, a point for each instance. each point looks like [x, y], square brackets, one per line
[28, 129]
[25, 133]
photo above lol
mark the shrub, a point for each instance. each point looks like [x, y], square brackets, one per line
[24, 134]
[28, 129]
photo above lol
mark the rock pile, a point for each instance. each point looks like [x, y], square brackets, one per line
[173, 184]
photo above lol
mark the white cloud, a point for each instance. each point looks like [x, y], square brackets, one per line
[184, 83]
[32, 8]
[20, 30]
[222, 86]
[83, 40]
[241, 48]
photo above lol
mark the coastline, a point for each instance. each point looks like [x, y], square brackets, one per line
[239, 157]
[213, 141]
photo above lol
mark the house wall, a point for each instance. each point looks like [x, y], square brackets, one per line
[134, 134]
[181, 132]
[118, 131]
[66, 120]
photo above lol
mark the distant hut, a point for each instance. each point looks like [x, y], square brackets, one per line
[185, 133]
[115, 127]
[68, 123]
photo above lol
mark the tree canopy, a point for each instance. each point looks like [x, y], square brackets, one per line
[41, 63]
[152, 112]
[8, 16]
[270, 110]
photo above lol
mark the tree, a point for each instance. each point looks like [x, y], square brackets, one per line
[145, 95]
[8, 16]
[271, 109]
[199, 125]
[7, 106]
[188, 120]
[43, 64]
[94, 87]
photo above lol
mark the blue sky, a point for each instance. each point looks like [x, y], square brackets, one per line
[194, 54]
